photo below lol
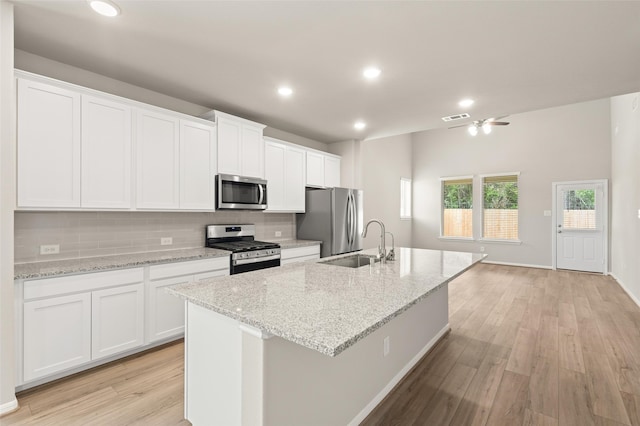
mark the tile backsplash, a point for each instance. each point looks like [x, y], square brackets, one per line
[86, 234]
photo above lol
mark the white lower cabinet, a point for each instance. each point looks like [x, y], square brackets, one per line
[117, 320]
[165, 313]
[299, 254]
[70, 323]
[57, 334]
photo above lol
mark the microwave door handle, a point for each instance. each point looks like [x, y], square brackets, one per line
[261, 193]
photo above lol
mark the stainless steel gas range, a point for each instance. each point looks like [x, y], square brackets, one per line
[247, 254]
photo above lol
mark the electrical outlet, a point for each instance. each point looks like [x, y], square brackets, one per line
[166, 241]
[50, 249]
[482, 249]
[385, 346]
[278, 233]
[547, 213]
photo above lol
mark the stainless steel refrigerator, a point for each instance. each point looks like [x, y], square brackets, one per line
[333, 216]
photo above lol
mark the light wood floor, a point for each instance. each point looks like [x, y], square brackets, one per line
[527, 347]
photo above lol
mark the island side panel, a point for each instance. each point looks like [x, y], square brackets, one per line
[303, 386]
[213, 353]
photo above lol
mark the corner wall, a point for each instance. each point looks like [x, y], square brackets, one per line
[625, 182]
[384, 161]
[566, 143]
[8, 400]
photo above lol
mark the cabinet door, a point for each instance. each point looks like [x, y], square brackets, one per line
[57, 334]
[315, 169]
[165, 315]
[117, 320]
[331, 172]
[197, 166]
[252, 151]
[158, 150]
[106, 154]
[48, 132]
[229, 146]
[274, 171]
[294, 179]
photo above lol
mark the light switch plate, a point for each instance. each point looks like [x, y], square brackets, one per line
[547, 212]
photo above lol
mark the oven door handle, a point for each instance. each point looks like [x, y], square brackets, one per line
[256, 259]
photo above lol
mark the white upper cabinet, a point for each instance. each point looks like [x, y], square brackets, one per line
[157, 160]
[331, 171]
[197, 166]
[106, 154]
[82, 149]
[323, 170]
[315, 169]
[48, 146]
[285, 172]
[240, 146]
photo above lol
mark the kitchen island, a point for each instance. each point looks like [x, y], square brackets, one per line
[311, 343]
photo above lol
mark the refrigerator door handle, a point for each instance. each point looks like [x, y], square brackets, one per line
[348, 220]
[352, 203]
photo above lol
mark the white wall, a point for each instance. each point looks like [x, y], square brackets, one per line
[566, 143]
[384, 161]
[625, 177]
[7, 202]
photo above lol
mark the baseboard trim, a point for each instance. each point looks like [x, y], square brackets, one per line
[626, 290]
[522, 265]
[396, 379]
[9, 407]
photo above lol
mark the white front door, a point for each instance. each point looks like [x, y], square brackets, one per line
[580, 226]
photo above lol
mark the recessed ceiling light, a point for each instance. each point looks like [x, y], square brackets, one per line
[285, 91]
[359, 125]
[466, 103]
[371, 73]
[105, 7]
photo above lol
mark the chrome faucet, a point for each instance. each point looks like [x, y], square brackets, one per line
[382, 249]
[392, 253]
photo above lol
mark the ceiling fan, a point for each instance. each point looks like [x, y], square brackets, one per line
[485, 124]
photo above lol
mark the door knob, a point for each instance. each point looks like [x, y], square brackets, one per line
[559, 232]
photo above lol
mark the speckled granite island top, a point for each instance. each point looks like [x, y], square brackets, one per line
[103, 263]
[325, 307]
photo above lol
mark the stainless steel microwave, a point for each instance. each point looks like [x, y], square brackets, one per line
[240, 193]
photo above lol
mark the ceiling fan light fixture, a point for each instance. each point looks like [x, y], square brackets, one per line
[473, 130]
[486, 128]
[105, 7]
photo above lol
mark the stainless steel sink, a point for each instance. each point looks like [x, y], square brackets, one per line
[354, 261]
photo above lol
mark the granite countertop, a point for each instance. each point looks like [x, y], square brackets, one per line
[287, 244]
[325, 307]
[52, 268]
[102, 263]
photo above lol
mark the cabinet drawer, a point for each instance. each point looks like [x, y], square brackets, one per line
[48, 287]
[300, 252]
[188, 268]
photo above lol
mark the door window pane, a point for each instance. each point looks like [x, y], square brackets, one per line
[457, 205]
[579, 209]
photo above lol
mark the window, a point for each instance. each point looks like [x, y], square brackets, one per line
[405, 198]
[500, 207]
[457, 207]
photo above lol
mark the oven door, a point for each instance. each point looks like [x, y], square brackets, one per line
[240, 193]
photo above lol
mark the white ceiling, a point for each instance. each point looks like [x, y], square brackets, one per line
[510, 56]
